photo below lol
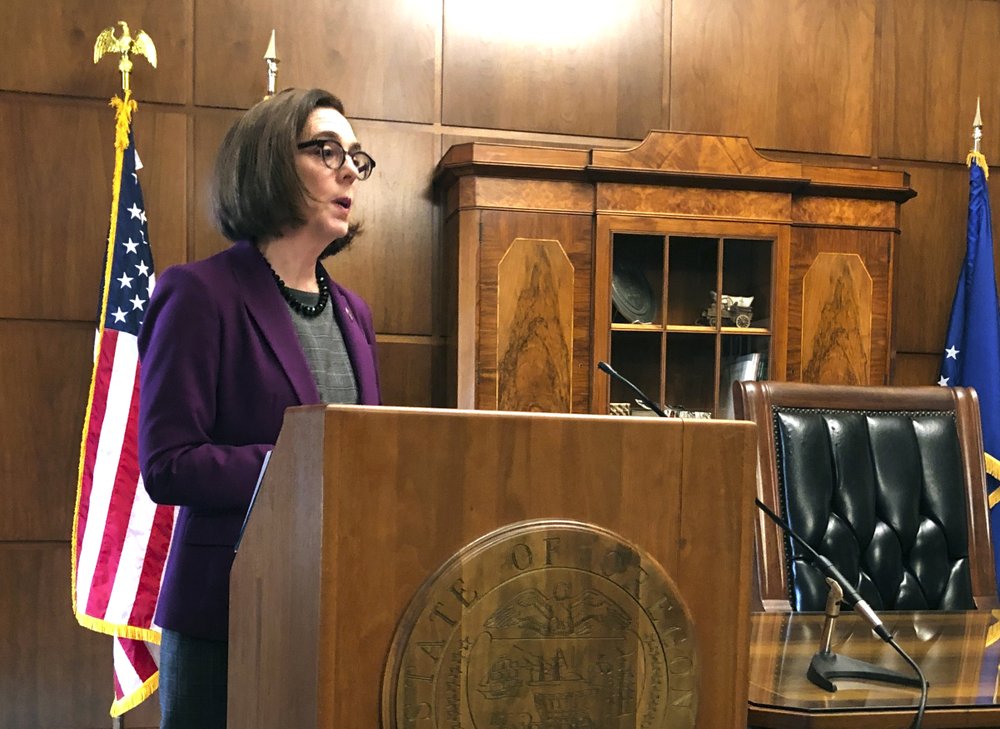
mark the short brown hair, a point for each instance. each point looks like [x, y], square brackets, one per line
[256, 189]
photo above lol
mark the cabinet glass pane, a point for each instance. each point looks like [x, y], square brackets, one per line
[636, 355]
[743, 357]
[690, 382]
[637, 278]
[746, 272]
[692, 274]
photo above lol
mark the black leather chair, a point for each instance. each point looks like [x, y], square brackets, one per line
[887, 482]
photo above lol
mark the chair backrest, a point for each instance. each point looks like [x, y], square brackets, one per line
[887, 482]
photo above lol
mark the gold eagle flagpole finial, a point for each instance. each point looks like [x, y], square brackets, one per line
[125, 45]
[271, 58]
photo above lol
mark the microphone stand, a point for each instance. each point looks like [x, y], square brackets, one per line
[826, 665]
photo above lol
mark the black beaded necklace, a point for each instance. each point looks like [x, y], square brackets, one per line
[305, 310]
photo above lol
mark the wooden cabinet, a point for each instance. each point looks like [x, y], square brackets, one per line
[647, 258]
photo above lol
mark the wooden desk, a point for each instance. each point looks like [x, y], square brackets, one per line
[951, 649]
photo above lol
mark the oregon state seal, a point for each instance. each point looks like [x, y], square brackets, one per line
[544, 625]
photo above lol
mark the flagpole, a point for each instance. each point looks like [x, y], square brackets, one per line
[112, 507]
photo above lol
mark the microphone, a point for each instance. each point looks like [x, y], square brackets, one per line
[608, 369]
[860, 605]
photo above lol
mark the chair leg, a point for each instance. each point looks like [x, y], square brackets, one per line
[118, 722]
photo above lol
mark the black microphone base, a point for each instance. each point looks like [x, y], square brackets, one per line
[825, 667]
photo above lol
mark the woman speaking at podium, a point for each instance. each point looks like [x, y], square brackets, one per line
[228, 343]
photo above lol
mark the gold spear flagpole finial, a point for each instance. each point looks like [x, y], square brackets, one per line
[271, 58]
[977, 129]
[976, 155]
[141, 44]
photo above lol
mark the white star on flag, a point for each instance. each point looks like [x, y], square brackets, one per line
[142, 268]
[125, 281]
[119, 315]
[137, 303]
[943, 381]
[136, 212]
[131, 246]
[951, 352]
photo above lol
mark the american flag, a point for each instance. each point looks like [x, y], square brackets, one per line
[120, 537]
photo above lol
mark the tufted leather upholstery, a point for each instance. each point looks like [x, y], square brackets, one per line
[877, 480]
[881, 495]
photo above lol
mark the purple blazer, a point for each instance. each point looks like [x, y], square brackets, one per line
[220, 362]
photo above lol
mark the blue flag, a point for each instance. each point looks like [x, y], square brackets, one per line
[972, 349]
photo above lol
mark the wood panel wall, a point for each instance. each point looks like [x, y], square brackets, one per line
[856, 82]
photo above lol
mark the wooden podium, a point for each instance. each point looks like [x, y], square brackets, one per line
[360, 506]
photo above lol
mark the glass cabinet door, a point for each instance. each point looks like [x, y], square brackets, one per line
[690, 314]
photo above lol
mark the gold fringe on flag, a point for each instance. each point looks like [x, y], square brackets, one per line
[992, 466]
[993, 631]
[123, 118]
[124, 631]
[980, 159]
[132, 700]
[993, 469]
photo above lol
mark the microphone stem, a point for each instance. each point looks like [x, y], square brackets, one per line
[858, 603]
[608, 369]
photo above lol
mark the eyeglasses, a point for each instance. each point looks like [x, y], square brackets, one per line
[333, 155]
